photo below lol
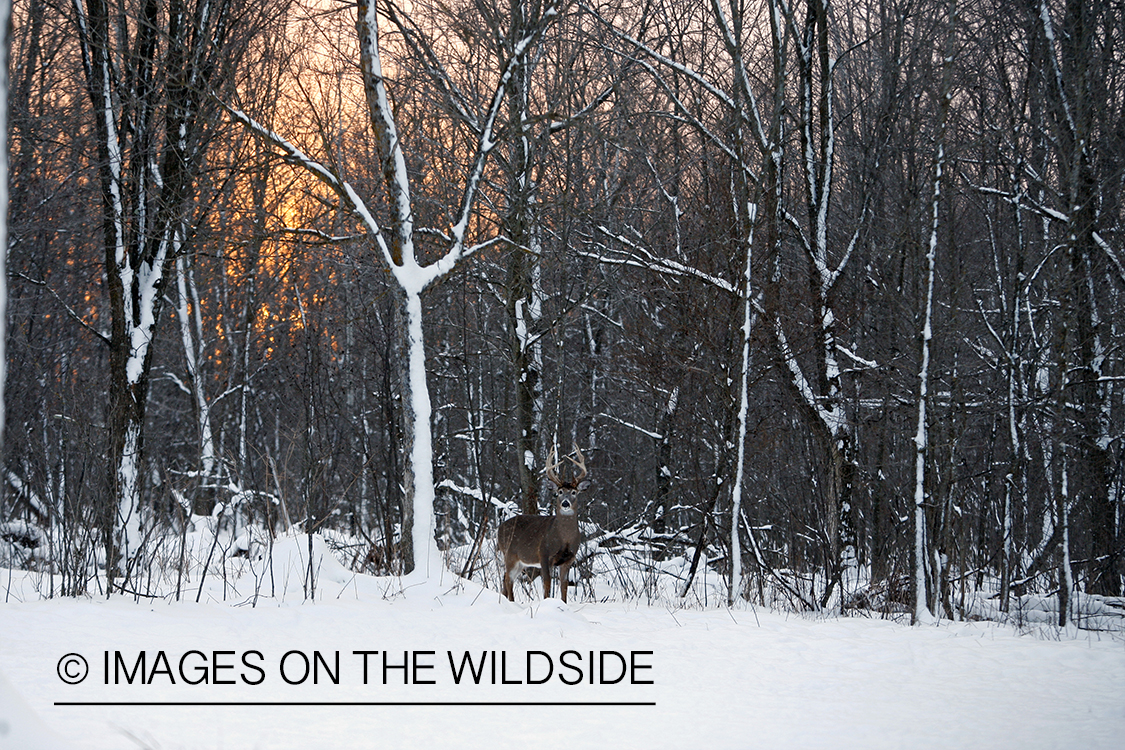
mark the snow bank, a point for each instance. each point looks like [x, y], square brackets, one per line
[602, 674]
[20, 727]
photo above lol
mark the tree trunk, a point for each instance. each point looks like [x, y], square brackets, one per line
[922, 613]
[5, 42]
[521, 226]
[1073, 81]
[146, 175]
[1066, 575]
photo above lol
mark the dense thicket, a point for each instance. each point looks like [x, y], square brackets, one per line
[712, 228]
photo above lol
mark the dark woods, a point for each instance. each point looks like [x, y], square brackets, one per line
[736, 251]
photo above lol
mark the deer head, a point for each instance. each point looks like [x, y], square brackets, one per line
[566, 492]
[528, 541]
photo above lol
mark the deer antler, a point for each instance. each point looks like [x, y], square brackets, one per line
[552, 465]
[580, 463]
[546, 541]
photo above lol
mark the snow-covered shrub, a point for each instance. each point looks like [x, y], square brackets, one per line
[23, 545]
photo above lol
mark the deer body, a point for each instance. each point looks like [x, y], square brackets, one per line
[528, 541]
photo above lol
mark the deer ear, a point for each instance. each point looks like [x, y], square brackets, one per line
[583, 484]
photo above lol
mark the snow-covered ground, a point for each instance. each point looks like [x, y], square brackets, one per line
[686, 678]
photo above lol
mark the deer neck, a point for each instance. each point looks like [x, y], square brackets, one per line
[566, 523]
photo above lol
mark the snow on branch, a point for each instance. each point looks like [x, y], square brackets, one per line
[743, 78]
[1024, 202]
[473, 492]
[866, 363]
[560, 125]
[407, 270]
[1028, 204]
[1114, 258]
[632, 426]
[487, 143]
[797, 375]
[640, 257]
[1052, 45]
[295, 156]
[319, 235]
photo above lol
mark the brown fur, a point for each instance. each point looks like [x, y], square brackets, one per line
[545, 541]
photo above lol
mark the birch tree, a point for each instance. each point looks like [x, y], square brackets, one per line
[524, 301]
[147, 67]
[5, 45]
[923, 609]
[1076, 78]
[397, 247]
[753, 150]
[548, 94]
[819, 390]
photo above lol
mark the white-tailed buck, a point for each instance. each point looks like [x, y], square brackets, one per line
[542, 541]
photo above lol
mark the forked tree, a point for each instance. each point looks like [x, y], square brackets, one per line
[395, 241]
[147, 66]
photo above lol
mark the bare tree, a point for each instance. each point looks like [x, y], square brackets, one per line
[923, 609]
[398, 250]
[5, 46]
[148, 69]
[1075, 87]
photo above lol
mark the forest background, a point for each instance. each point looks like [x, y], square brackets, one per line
[829, 296]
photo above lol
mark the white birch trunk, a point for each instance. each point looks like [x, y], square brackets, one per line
[922, 614]
[146, 177]
[412, 277]
[743, 411]
[398, 252]
[5, 17]
[191, 335]
[127, 523]
[1006, 546]
[1066, 576]
[427, 561]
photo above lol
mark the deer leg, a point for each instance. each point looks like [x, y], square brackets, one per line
[508, 565]
[564, 578]
[545, 571]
